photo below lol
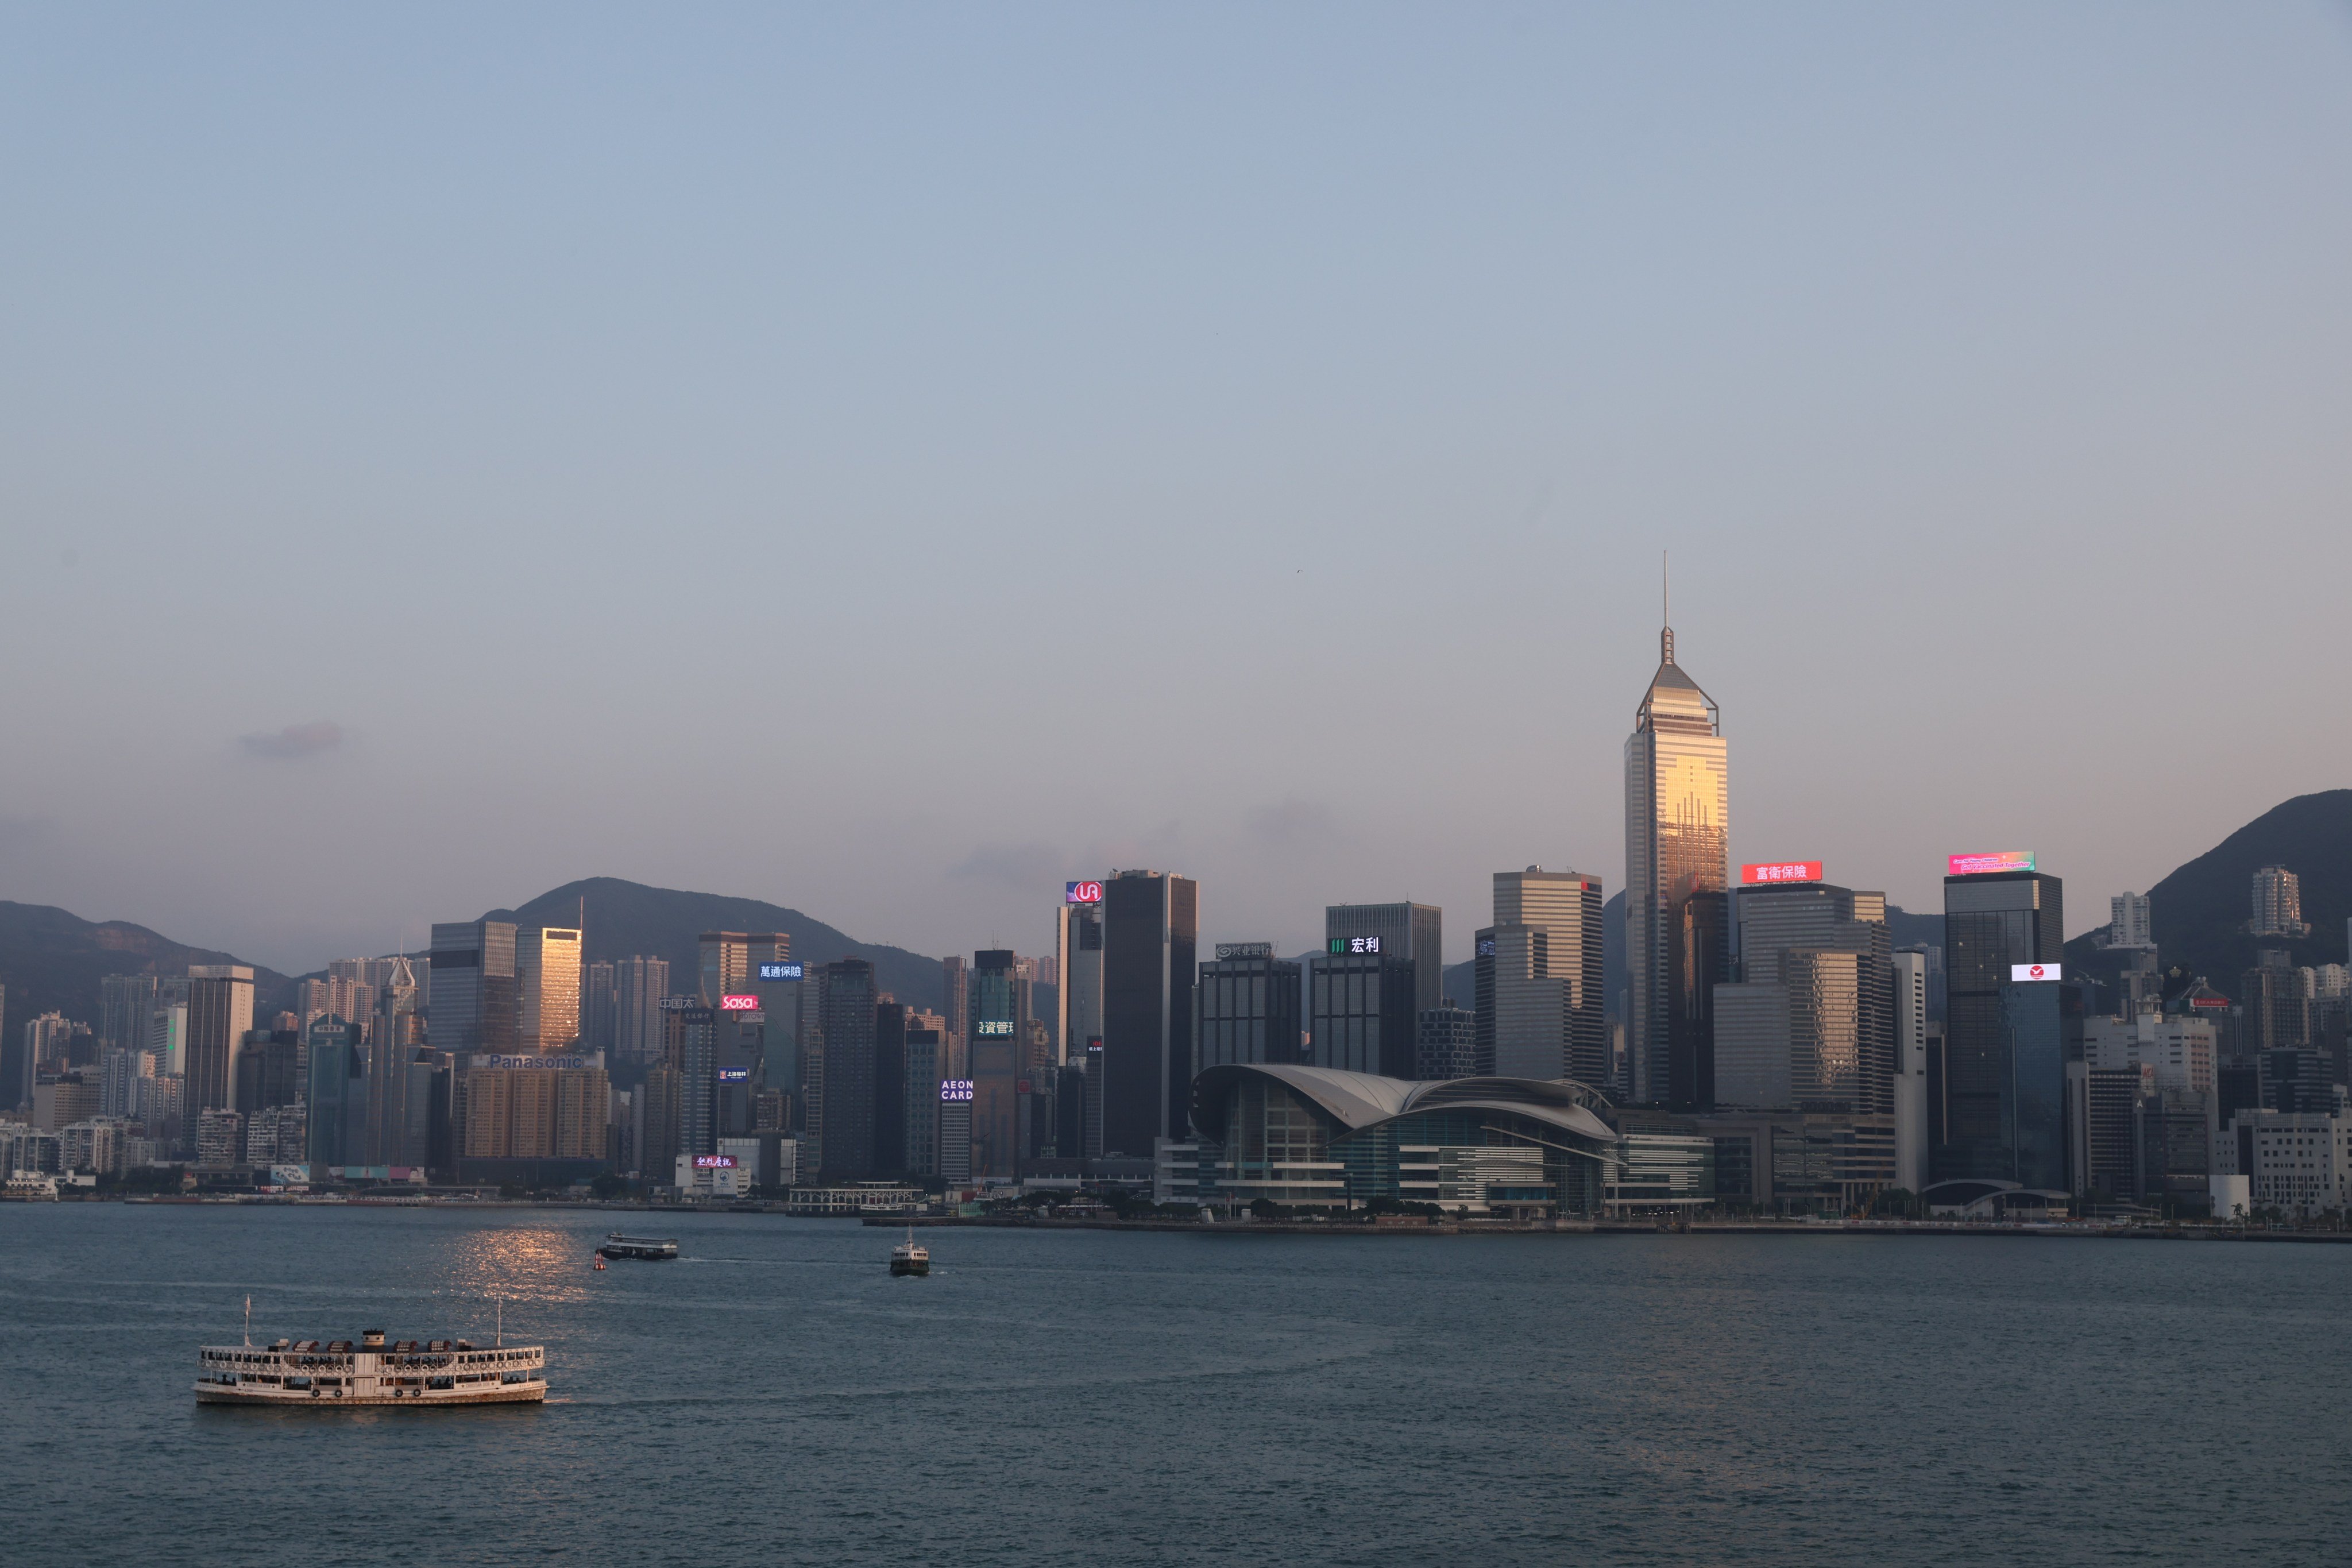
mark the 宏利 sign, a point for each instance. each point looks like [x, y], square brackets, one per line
[1082, 893]
[1984, 865]
[781, 971]
[2020, 973]
[992, 1026]
[1770, 871]
[714, 1161]
[954, 1089]
[739, 1003]
[1355, 944]
[1245, 949]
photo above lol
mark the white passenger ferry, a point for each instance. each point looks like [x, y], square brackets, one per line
[338, 1374]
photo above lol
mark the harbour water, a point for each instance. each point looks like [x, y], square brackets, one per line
[1092, 1398]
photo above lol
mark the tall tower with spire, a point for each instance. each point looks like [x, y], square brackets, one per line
[1677, 881]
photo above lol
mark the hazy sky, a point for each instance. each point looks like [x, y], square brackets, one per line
[888, 459]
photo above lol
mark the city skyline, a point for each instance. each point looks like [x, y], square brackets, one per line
[388, 539]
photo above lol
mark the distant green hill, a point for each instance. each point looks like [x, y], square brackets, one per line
[625, 918]
[51, 962]
[2199, 912]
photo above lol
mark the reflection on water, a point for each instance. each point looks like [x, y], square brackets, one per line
[1100, 1398]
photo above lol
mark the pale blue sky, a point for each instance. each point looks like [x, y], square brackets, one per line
[888, 459]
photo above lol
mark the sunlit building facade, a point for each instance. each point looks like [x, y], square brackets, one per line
[1677, 877]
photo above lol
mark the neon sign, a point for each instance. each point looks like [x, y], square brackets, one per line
[955, 1088]
[1353, 945]
[739, 1003]
[2018, 972]
[714, 1161]
[1772, 871]
[1985, 864]
[1082, 893]
[781, 971]
[992, 1026]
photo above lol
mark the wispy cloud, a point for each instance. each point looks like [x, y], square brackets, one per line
[295, 741]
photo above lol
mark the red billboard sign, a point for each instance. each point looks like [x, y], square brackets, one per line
[739, 1003]
[1082, 893]
[1770, 871]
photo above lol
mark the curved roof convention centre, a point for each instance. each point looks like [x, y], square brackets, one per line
[1358, 1099]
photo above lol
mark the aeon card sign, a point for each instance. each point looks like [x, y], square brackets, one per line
[955, 1088]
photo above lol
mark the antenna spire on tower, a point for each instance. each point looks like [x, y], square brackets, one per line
[1666, 613]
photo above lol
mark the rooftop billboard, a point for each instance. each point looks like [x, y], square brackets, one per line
[1989, 862]
[1771, 871]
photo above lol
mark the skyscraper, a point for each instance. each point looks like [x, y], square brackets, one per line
[1078, 965]
[126, 1005]
[2278, 904]
[639, 983]
[2000, 915]
[1244, 1008]
[726, 959]
[1361, 1015]
[845, 1000]
[1412, 931]
[994, 1007]
[958, 993]
[2128, 925]
[1677, 877]
[1538, 1008]
[1911, 1124]
[220, 1016]
[476, 1002]
[547, 974]
[599, 1020]
[1811, 1023]
[1151, 924]
[890, 1053]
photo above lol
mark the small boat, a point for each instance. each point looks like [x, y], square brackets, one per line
[910, 1257]
[339, 1375]
[644, 1248]
[600, 1263]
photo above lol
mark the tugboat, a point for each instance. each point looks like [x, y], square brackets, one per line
[910, 1257]
[339, 1375]
[644, 1248]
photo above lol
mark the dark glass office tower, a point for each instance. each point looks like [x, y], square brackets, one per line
[1360, 1013]
[1408, 930]
[890, 1087]
[845, 1004]
[476, 999]
[1677, 876]
[1151, 923]
[995, 996]
[1245, 1007]
[1993, 921]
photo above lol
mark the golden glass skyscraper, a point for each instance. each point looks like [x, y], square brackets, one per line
[547, 961]
[1677, 880]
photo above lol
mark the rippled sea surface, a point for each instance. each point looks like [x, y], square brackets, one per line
[1095, 1397]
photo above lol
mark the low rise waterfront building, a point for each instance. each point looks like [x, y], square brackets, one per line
[1322, 1139]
